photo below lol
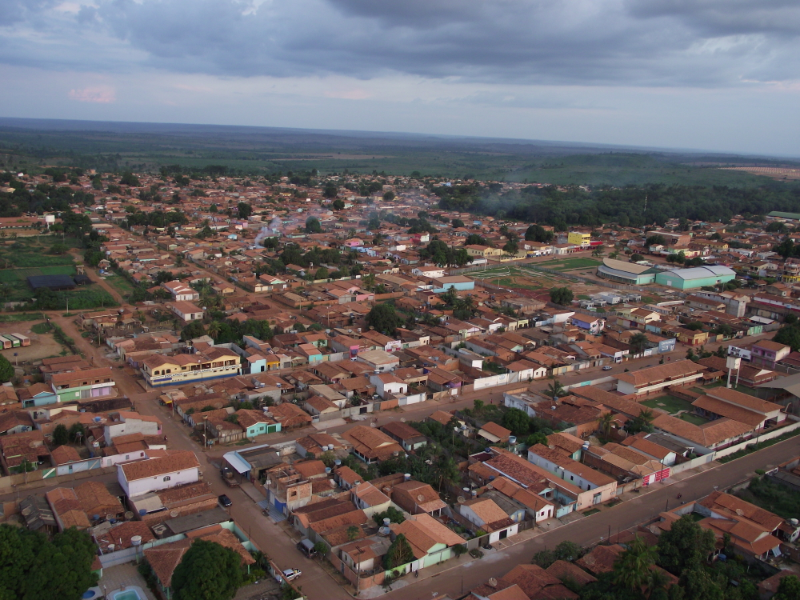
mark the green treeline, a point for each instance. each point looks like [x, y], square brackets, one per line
[634, 206]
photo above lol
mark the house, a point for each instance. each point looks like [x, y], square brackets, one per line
[370, 499]
[766, 353]
[255, 422]
[416, 497]
[494, 433]
[180, 291]
[372, 445]
[604, 488]
[378, 360]
[408, 437]
[430, 541]
[186, 311]
[214, 363]
[155, 474]
[722, 402]
[289, 415]
[656, 378]
[88, 384]
[388, 384]
[485, 514]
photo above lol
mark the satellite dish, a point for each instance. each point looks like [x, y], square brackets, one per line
[219, 427]
[492, 582]
[461, 500]
[109, 517]
[420, 498]
[402, 419]
[174, 514]
[128, 515]
[373, 424]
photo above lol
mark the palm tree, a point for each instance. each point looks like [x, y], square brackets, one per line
[555, 389]
[656, 580]
[638, 343]
[598, 252]
[214, 329]
[632, 569]
[605, 423]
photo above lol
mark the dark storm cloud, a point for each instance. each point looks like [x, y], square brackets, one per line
[631, 42]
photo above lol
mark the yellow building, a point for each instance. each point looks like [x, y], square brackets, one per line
[483, 251]
[215, 363]
[579, 239]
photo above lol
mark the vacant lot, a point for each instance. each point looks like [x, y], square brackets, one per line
[122, 285]
[42, 344]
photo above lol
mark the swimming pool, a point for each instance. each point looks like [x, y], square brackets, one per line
[129, 593]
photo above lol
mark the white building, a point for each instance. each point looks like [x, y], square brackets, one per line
[386, 384]
[156, 474]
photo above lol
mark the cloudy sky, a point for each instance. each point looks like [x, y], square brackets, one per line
[708, 74]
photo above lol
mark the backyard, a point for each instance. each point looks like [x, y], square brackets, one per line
[670, 404]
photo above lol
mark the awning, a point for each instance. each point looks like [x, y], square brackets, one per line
[238, 464]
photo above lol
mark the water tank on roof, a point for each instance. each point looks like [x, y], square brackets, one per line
[512, 440]
[142, 512]
[327, 470]
[406, 476]
[136, 540]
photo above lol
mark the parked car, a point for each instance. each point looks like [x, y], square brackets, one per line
[290, 574]
[225, 501]
[607, 368]
[306, 546]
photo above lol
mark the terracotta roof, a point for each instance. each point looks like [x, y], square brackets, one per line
[496, 430]
[177, 461]
[660, 373]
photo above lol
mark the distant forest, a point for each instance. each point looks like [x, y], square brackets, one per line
[634, 206]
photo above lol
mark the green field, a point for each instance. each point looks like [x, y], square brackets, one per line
[671, 404]
[19, 317]
[122, 285]
[568, 264]
[14, 282]
[692, 418]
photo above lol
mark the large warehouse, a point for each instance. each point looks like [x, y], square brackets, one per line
[626, 272]
[685, 279]
[681, 279]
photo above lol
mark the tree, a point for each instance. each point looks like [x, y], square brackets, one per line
[353, 532]
[555, 389]
[511, 246]
[6, 370]
[129, 179]
[77, 432]
[456, 223]
[537, 233]
[642, 422]
[398, 554]
[605, 423]
[383, 318]
[638, 343]
[775, 227]
[568, 551]
[789, 588]
[33, 567]
[208, 571]
[321, 273]
[632, 568]
[561, 295]
[655, 240]
[389, 196]
[313, 225]
[214, 329]
[245, 210]
[685, 546]
[698, 585]
[598, 252]
[544, 558]
[637, 258]
[330, 190]
[516, 421]
[787, 334]
[338, 204]
[536, 438]
[60, 435]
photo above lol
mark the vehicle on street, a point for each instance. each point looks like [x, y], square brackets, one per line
[306, 546]
[290, 574]
[225, 501]
[607, 368]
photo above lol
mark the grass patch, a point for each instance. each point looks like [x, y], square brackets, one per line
[568, 264]
[671, 404]
[122, 285]
[750, 448]
[692, 418]
[590, 512]
[772, 496]
[41, 328]
[18, 317]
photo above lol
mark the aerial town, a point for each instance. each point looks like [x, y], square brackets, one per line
[347, 390]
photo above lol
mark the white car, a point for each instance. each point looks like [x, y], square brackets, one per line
[290, 574]
[607, 368]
